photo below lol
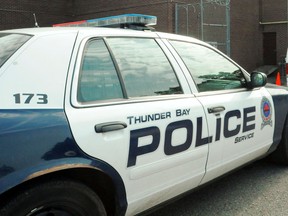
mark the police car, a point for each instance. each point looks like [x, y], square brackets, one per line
[101, 121]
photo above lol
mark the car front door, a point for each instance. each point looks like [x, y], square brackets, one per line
[131, 110]
[240, 119]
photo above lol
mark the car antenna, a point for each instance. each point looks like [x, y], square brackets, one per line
[35, 19]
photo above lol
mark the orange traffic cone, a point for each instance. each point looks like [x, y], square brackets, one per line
[278, 79]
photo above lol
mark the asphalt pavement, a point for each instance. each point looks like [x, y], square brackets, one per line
[258, 189]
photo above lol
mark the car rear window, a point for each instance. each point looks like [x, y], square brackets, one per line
[9, 44]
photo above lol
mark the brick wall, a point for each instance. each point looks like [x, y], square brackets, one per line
[246, 35]
[275, 13]
[246, 32]
[19, 13]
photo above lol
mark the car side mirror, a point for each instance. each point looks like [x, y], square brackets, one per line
[258, 79]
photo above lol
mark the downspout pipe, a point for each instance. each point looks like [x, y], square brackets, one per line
[274, 23]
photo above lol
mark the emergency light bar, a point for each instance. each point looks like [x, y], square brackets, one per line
[134, 21]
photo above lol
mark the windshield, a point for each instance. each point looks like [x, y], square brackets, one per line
[10, 43]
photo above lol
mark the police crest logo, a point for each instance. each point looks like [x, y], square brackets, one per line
[266, 112]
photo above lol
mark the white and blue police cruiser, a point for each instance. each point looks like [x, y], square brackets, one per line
[100, 121]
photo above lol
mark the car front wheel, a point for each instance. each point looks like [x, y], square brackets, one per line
[280, 155]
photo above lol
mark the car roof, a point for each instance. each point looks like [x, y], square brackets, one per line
[55, 30]
[101, 30]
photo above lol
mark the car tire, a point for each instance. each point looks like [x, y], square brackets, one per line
[280, 155]
[55, 198]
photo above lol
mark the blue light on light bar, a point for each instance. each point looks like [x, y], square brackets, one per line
[115, 21]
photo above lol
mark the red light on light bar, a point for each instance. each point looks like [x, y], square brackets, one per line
[76, 23]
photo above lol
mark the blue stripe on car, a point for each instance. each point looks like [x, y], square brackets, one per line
[280, 102]
[32, 140]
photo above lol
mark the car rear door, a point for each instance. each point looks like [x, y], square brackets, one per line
[240, 120]
[131, 107]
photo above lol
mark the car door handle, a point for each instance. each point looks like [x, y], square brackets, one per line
[110, 126]
[217, 109]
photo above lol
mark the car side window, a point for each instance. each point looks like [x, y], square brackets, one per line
[144, 67]
[139, 62]
[210, 70]
[98, 76]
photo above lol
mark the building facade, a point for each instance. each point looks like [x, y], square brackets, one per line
[252, 32]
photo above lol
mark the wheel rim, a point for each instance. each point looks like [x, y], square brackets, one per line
[54, 211]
